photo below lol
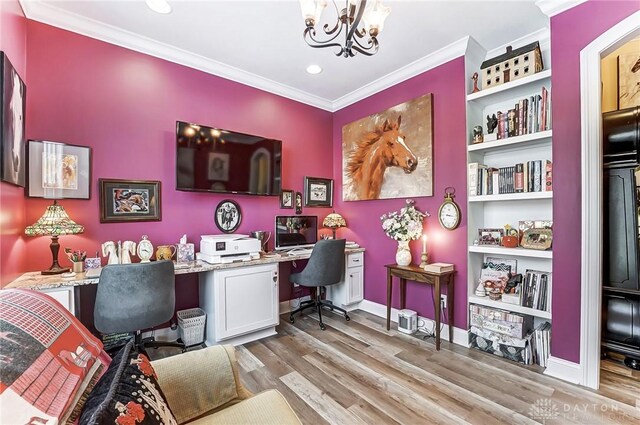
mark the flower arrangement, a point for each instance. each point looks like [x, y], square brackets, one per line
[404, 225]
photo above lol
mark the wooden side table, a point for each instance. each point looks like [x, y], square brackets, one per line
[418, 274]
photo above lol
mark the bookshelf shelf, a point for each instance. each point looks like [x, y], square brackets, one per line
[517, 142]
[511, 90]
[511, 197]
[511, 307]
[516, 252]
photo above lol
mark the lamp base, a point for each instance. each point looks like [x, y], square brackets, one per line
[424, 259]
[55, 266]
[54, 270]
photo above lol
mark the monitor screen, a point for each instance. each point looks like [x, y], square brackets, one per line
[296, 231]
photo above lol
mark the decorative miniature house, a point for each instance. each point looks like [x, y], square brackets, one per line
[513, 64]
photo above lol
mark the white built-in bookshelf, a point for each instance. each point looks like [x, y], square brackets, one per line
[495, 210]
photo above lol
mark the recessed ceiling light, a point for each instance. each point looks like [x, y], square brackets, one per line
[314, 69]
[160, 6]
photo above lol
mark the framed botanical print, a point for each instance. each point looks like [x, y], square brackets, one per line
[129, 200]
[318, 192]
[58, 170]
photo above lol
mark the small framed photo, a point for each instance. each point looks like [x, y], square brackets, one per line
[58, 170]
[129, 200]
[286, 198]
[537, 239]
[318, 192]
[298, 203]
[490, 236]
[228, 216]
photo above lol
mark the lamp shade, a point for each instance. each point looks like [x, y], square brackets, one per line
[54, 222]
[334, 221]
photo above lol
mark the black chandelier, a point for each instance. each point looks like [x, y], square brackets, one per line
[348, 20]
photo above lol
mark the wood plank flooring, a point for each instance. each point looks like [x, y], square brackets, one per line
[357, 372]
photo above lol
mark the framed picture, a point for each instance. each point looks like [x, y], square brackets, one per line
[403, 132]
[490, 236]
[129, 200]
[218, 166]
[58, 170]
[228, 216]
[318, 192]
[298, 203]
[537, 239]
[286, 198]
[628, 80]
[12, 124]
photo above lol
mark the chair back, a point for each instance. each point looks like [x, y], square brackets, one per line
[133, 297]
[326, 264]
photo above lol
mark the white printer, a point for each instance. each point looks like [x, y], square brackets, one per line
[216, 249]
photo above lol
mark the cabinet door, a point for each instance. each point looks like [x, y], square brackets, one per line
[355, 284]
[621, 239]
[246, 300]
[64, 296]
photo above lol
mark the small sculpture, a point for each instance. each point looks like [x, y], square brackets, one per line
[109, 249]
[477, 134]
[480, 292]
[128, 249]
[492, 123]
[474, 77]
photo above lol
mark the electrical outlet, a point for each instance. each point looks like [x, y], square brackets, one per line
[443, 301]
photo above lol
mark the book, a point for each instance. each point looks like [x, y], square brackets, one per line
[438, 267]
[519, 183]
[473, 178]
[548, 171]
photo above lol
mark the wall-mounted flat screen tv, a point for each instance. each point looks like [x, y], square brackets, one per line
[214, 160]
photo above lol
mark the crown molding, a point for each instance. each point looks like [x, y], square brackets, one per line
[552, 8]
[543, 35]
[437, 58]
[47, 14]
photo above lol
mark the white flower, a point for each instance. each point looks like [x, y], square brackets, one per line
[405, 224]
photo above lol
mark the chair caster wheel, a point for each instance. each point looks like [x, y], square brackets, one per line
[347, 318]
[291, 319]
[323, 327]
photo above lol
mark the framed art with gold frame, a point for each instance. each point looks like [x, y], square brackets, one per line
[537, 239]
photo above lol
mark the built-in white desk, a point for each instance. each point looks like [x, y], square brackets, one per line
[240, 298]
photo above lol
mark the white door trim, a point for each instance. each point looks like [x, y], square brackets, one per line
[591, 252]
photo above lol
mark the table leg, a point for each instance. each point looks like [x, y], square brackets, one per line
[389, 277]
[403, 293]
[450, 286]
[437, 289]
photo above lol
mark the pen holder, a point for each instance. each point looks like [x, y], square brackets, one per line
[77, 266]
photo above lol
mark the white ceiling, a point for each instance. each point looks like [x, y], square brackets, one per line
[260, 43]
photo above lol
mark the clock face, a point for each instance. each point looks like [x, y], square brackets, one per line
[449, 215]
[145, 250]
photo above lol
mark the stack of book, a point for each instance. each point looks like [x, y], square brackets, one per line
[438, 267]
[529, 115]
[541, 341]
[535, 290]
[530, 176]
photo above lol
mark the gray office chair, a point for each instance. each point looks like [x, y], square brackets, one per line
[325, 267]
[134, 297]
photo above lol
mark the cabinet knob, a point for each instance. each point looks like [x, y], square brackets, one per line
[356, 260]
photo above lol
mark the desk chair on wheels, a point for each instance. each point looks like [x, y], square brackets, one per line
[134, 297]
[325, 267]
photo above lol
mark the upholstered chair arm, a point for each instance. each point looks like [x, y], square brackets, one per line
[200, 381]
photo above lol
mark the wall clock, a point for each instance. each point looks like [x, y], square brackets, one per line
[449, 212]
[228, 216]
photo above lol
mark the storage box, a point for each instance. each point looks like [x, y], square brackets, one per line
[516, 349]
[500, 321]
[191, 324]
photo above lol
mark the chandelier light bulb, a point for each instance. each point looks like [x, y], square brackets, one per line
[312, 10]
[374, 18]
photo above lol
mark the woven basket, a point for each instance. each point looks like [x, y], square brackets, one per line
[191, 326]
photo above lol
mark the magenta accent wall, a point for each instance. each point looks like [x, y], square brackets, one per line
[13, 42]
[571, 31]
[447, 83]
[125, 105]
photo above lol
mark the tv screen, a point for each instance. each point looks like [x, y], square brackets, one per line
[214, 160]
[296, 231]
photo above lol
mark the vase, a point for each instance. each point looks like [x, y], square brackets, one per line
[403, 254]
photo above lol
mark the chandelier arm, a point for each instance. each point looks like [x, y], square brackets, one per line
[334, 29]
[356, 20]
[368, 51]
[310, 32]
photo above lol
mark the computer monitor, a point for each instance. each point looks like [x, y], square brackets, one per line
[296, 231]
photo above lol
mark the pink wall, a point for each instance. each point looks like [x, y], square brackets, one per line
[125, 105]
[571, 31]
[13, 41]
[447, 83]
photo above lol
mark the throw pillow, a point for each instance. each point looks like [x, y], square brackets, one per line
[127, 394]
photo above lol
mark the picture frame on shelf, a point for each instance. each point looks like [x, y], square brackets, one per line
[286, 198]
[228, 216]
[537, 239]
[58, 170]
[490, 236]
[318, 192]
[129, 200]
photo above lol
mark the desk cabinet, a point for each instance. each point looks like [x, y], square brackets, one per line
[351, 289]
[64, 295]
[239, 301]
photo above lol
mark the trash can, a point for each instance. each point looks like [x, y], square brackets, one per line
[191, 326]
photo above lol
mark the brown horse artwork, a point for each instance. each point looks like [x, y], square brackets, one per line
[374, 153]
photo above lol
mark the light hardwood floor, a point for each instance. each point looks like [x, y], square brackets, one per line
[358, 373]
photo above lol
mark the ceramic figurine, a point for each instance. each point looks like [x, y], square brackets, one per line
[128, 249]
[492, 123]
[477, 134]
[474, 77]
[109, 249]
[480, 292]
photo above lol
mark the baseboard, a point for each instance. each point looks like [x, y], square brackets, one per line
[564, 369]
[460, 336]
[285, 306]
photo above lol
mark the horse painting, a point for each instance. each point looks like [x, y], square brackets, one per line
[382, 148]
[388, 154]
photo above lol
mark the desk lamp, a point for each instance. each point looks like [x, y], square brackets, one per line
[54, 222]
[334, 221]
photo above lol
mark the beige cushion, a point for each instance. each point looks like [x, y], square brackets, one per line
[267, 408]
[197, 381]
